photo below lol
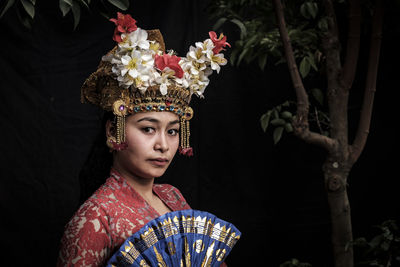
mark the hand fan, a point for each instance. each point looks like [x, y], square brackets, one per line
[179, 238]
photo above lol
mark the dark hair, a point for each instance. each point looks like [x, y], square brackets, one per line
[96, 168]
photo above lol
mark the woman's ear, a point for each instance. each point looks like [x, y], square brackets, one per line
[110, 129]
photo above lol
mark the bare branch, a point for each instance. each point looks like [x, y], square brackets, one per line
[302, 97]
[353, 44]
[315, 138]
[301, 127]
[370, 87]
[337, 95]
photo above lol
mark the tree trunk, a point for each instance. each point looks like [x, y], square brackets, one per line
[336, 174]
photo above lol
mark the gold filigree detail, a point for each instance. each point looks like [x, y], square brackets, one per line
[120, 108]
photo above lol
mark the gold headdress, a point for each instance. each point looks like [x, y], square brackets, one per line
[138, 76]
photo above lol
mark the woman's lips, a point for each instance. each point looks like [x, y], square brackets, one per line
[159, 161]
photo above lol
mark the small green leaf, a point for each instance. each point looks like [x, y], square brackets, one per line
[250, 41]
[318, 95]
[311, 60]
[303, 11]
[278, 122]
[375, 242]
[304, 67]
[288, 127]
[277, 134]
[323, 24]
[85, 4]
[287, 115]
[312, 9]
[76, 12]
[121, 4]
[29, 8]
[219, 23]
[68, 2]
[243, 31]
[244, 52]
[65, 7]
[385, 246]
[25, 20]
[295, 261]
[7, 6]
[276, 114]
[233, 56]
[265, 121]
[262, 60]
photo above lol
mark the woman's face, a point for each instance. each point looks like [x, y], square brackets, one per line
[153, 139]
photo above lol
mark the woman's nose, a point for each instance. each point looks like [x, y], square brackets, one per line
[161, 143]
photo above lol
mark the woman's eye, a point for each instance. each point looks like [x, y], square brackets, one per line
[148, 129]
[173, 131]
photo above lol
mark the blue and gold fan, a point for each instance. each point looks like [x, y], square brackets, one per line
[179, 238]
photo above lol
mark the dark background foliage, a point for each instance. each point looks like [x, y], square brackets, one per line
[273, 194]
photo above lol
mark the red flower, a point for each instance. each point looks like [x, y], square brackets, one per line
[219, 43]
[125, 24]
[170, 61]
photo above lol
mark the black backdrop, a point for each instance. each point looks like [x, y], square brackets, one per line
[273, 194]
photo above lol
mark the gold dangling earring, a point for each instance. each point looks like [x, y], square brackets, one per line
[184, 148]
[111, 141]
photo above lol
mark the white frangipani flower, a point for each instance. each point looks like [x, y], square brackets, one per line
[138, 38]
[216, 61]
[164, 80]
[206, 45]
[196, 54]
[133, 62]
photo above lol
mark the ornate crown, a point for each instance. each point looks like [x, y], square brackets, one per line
[137, 75]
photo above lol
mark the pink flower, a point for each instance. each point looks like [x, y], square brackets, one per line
[219, 43]
[170, 61]
[125, 24]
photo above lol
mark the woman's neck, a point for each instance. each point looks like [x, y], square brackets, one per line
[143, 186]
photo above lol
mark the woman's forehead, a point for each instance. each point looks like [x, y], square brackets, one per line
[163, 116]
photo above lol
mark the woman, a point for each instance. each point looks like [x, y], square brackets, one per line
[148, 93]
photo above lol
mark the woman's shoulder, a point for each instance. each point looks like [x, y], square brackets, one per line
[106, 194]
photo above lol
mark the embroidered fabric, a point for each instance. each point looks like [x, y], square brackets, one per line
[112, 214]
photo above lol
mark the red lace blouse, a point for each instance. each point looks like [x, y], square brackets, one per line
[112, 214]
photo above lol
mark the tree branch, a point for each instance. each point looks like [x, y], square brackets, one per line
[353, 44]
[301, 127]
[316, 139]
[302, 97]
[337, 95]
[370, 87]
